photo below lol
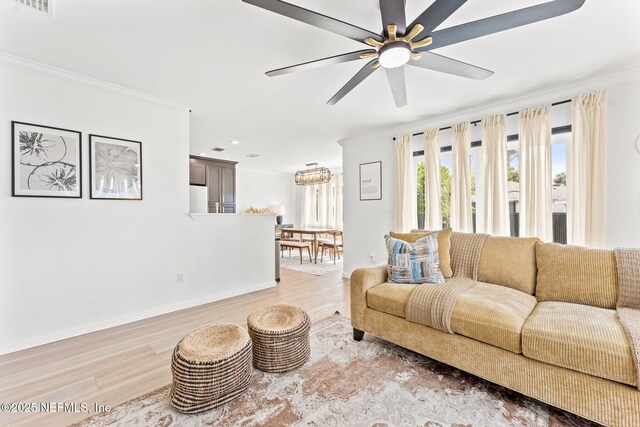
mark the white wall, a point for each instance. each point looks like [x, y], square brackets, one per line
[263, 189]
[367, 222]
[623, 166]
[71, 266]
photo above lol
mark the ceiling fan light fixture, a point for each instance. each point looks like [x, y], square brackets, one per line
[394, 54]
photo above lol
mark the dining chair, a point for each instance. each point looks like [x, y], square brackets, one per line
[334, 245]
[287, 235]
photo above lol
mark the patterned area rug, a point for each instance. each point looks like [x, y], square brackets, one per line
[348, 383]
[320, 269]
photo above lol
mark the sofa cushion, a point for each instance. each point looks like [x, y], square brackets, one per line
[579, 337]
[416, 262]
[390, 298]
[509, 261]
[576, 274]
[492, 314]
[444, 246]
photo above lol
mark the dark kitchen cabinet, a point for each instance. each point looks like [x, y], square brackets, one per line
[197, 172]
[213, 186]
[228, 184]
[220, 178]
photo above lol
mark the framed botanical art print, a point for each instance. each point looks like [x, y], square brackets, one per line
[115, 168]
[46, 161]
[371, 181]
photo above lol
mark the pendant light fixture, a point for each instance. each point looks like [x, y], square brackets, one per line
[313, 175]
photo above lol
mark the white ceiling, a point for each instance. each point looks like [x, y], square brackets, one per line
[212, 55]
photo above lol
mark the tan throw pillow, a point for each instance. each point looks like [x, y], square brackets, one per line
[444, 246]
[577, 275]
[510, 262]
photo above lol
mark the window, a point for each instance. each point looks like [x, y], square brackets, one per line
[445, 190]
[446, 169]
[322, 204]
[446, 173]
[474, 165]
[559, 145]
[420, 193]
[513, 186]
[558, 181]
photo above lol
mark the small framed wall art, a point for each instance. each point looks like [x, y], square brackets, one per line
[115, 168]
[371, 181]
[46, 161]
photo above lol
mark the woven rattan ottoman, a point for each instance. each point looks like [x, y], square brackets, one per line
[210, 367]
[280, 335]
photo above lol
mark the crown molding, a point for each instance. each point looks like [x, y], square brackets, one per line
[57, 74]
[550, 94]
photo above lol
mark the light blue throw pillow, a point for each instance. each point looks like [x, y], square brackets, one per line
[416, 262]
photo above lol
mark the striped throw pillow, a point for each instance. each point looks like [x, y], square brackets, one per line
[416, 262]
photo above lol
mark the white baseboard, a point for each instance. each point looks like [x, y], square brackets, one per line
[98, 326]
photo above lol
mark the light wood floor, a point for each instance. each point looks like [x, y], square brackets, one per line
[121, 363]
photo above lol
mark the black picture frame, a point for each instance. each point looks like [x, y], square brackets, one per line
[62, 165]
[373, 189]
[129, 158]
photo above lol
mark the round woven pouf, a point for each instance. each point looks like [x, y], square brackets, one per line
[280, 335]
[210, 367]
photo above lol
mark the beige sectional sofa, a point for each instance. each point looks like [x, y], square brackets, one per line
[541, 321]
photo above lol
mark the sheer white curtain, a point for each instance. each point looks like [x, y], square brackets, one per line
[308, 206]
[536, 215]
[433, 211]
[495, 206]
[461, 213]
[322, 204]
[586, 171]
[406, 209]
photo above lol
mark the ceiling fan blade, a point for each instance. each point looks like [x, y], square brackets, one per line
[436, 14]
[505, 21]
[443, 64]
[316, 19]
[345, 57]
[392, 12]
[398, 85]
[365, 72]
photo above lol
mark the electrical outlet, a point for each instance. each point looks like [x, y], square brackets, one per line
[180, 279]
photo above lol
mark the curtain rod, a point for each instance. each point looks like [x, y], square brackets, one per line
[566, 101]
[510, 138]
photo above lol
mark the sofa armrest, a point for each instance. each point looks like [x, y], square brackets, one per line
[362, 280]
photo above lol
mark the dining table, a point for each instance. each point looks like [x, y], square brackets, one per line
[311, 231]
